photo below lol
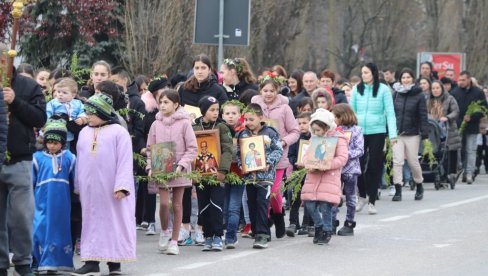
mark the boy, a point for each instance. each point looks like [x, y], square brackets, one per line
[105, 183]
[259, 182]
[294, 227]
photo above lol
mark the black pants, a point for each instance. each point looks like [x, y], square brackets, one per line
[482, 154]
[187, 206]
[210, 206]
[145, 204]
[372, 163]
[452, 161]
[75, 218]
[258, 207]
[295, 209]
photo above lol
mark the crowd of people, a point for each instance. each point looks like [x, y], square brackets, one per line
[69, 182]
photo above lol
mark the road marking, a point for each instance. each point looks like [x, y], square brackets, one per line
[462, 202]
[442, 245]
[195, 265]
[425, 211]
[395, 218]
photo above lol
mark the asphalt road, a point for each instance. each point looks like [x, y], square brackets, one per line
[444, 234]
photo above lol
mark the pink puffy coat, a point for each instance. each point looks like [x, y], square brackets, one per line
[176, 127]
[281, 112]
[326, 185]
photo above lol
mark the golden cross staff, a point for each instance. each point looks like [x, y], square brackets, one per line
[16, 14]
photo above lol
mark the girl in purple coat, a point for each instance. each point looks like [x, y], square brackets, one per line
[347, 121]
[172, 124]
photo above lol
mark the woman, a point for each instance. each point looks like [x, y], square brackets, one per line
[373, 104]
[411, 121]
[425, 84]
[295, 83]
[444, 108]
[100, 71]
[202, 83]
[237, 77]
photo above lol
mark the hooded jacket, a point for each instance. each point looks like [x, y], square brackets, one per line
[410, 111]
[27, 111]
[355, 149]
[176, 128]
[210, 87]
[287, 125]
[273, 151]
[226, 144]
[450, 109]
[339, 96]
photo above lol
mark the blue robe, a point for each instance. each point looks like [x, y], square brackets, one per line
[53, 180]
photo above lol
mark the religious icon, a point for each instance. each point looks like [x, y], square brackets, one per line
[208, 157]
[253, 155]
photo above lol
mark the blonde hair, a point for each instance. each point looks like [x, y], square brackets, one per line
[321, 92]
[68, 83]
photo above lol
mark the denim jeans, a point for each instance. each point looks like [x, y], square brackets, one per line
[350, 183]
[321, 212]
[233, 199]
[468, 153]
[407, 174]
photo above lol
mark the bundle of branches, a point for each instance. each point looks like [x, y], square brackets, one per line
[428, 152]
[388, 162]
[473, 108]
[294, 183]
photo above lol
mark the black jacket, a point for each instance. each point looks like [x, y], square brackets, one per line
[3, 129]
[135, 124]
[296, 100]
[339, 96]
[464, 98]
[239, 88]
[411, 113]
[27, 111]
[209, 87]
[293, 151]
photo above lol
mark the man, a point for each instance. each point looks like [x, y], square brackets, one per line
[465, 94]
[389, 75]
[447, 83]
[310, 83]
[327, 80]
[451, 74]
[27, 111]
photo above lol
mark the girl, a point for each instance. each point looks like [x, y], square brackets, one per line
[202, 83]
[105, 182]
[444, 108]
[347, 88]
[411, 120]
[172, 125]
[425, 85]
[276, 108]
[237, 77]
[211, 198]
[295, 83]
[42, 78]
[321, 99]
[100, 71]
[305, 105]
[346, 119]
[53, 175]
[322, 188]
[373, 105]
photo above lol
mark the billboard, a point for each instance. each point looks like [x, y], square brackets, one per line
[441, 61]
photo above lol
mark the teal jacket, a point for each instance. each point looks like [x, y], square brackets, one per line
[375, 112]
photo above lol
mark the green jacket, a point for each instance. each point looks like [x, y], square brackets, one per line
[226, 144]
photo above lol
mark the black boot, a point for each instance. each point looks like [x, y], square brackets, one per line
[114, 268]
[324, 238]
[348, 229]
[398, 193]
[335, 224]
[279, 222]
[318, 233]
[419, 194]
[90, 268]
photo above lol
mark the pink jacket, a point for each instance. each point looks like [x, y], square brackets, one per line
[149, 101]
[176, 127]
[326, 185]
[281, 112]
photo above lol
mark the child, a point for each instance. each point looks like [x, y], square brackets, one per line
[211, 198]
[346, 119]
[294, 227]
[259, 182]
[65, 102]
[105, 183]
[275, 108]
[321, 99]
[53, 176]
[231, 113]
[322, 188]
[172, 124]
[305, 105]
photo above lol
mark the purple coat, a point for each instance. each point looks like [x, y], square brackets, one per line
[281, 112]
[356, 149]
[177, 128]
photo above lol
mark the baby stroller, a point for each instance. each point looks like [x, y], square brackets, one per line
[436, 173]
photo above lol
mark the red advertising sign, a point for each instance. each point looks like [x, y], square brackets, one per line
[443, 61]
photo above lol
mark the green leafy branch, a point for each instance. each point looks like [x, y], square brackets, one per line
[474, 107]
[125, 112]
[78, 73]
[428, 152]
[162, 179]
[388, 162]
[294, 183]
[7, 156]
[141, 160]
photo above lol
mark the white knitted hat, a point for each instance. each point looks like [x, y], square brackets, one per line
[324, 116]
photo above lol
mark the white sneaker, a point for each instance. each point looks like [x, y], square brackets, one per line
[151, 229]
[372, 209]
[361, 203]
[163, 241]
[199, 239]
[172, 249]
[145, 224]
[184, 237]
[392, 190]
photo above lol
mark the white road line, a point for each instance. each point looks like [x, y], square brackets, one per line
[395, 218]
[462, 202]
[194, 265]
[425, 211]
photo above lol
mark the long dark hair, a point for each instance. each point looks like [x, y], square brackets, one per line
[376, 79]
[192, 82]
